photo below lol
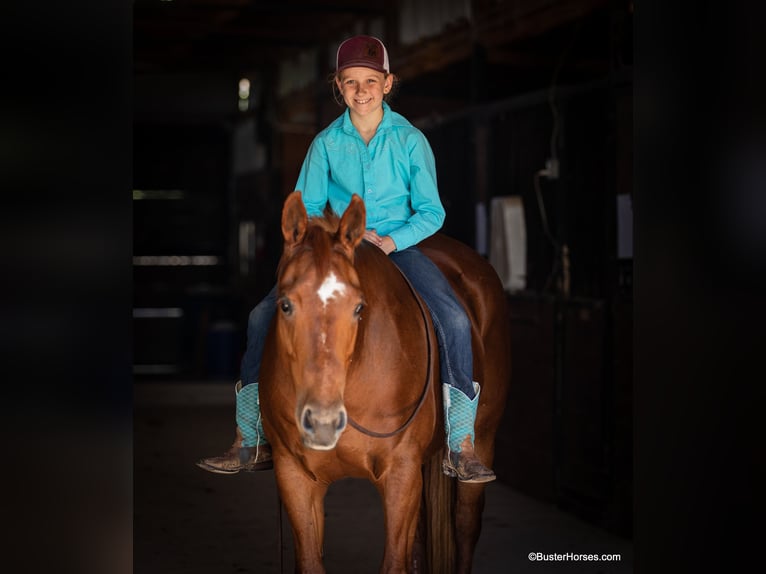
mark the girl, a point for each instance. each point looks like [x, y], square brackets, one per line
[375, 152]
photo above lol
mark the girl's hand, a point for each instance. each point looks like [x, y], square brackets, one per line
[372, 236]
[385, 243]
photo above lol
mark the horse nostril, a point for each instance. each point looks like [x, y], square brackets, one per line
[341, 421]
[308, 425]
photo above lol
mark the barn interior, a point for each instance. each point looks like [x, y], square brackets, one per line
[142, 178]
[146, 149]
[528, 105]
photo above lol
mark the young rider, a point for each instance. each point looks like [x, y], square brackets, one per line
[374, 152]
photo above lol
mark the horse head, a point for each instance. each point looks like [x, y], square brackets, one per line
[319, 306]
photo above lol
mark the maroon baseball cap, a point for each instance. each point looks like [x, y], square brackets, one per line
[364, 51]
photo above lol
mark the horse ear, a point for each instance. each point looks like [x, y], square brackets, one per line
[352, 224]
[294, 219]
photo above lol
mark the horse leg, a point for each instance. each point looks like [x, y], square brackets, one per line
[304, 500]
[468, 510]
[419, 554]
[400, 491]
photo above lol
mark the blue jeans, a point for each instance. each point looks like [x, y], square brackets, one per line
[452, 326]
[257, 328]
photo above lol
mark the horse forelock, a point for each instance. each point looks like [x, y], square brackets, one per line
[316, 248]
[329, 221]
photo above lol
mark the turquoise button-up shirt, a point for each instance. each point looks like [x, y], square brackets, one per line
[395, 174]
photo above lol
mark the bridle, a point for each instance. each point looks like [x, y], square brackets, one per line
[429, 376]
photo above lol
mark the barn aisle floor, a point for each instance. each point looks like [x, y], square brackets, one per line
[190, 521]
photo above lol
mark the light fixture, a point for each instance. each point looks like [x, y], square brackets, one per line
[244, 95]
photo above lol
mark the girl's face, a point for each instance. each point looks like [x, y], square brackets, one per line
[363, 89]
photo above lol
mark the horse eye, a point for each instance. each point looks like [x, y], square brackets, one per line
[286, 306]
[358, 310]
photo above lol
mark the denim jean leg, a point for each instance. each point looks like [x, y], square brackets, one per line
[453, 328]
[257, 328]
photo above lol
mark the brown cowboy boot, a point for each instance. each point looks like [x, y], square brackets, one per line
[239, 458]
[465, 465]
[459, 417]
[257, 454]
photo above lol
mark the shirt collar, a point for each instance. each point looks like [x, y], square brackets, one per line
[385, 123]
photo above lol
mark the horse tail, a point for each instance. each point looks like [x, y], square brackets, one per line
[439, 507]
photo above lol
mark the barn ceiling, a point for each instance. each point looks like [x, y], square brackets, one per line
[517, 44]
[175, 36]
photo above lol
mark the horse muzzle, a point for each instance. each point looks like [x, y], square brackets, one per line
[321, 427]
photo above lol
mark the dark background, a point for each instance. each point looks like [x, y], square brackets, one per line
[651, 366]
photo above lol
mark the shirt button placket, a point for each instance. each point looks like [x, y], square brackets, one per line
[366, 165]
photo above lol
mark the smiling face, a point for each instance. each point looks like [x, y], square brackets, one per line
[363, 89]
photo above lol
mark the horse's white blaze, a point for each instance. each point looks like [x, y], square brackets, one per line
[330, 287]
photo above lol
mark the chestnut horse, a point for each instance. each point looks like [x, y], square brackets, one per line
[350, 388]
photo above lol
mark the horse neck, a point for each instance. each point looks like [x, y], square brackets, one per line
[394, 329]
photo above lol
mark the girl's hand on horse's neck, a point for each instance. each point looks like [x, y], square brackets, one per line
[367, 125]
